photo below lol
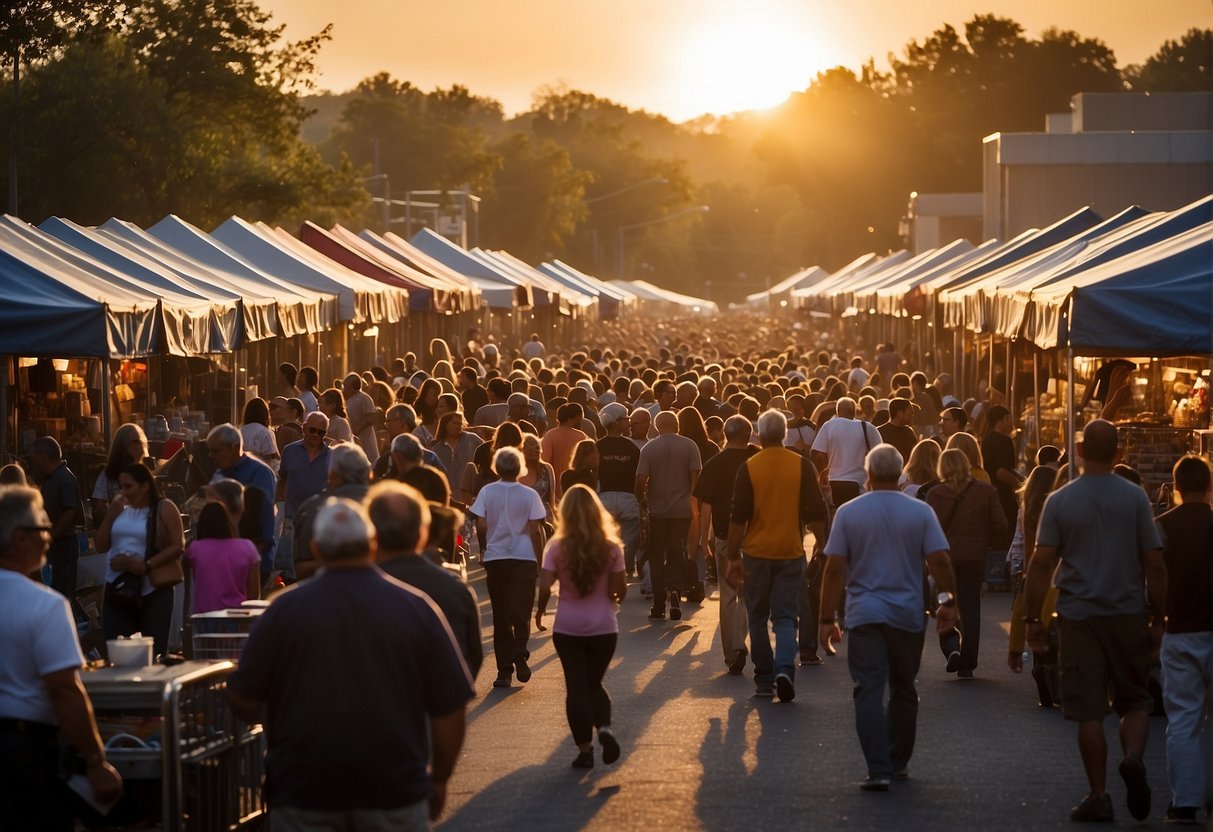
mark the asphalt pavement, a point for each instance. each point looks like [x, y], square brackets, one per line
[701, 752]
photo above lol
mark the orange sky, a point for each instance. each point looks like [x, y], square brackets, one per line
[677, 57]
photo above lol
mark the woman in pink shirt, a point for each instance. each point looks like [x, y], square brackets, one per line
[586, 558]
[225, 568]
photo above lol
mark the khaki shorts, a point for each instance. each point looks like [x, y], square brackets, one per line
[1105, 666]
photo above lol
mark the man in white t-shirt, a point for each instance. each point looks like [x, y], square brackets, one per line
[41, 696]
[360, 410]
[533, 348]
[839, 449]
[508, 516]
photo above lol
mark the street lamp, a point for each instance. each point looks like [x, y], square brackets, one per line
[619, 238]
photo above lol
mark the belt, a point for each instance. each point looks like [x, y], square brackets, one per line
[25, 726]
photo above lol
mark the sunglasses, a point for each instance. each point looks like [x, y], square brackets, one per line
[317, 431]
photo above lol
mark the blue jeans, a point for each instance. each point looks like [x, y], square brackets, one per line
[881, 656]
[772, 592]
[1187, 672]
[626, 510]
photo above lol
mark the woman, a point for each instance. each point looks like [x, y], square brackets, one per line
[427, 431]
[920, 474]
[455, 448]
[586, 557]
[124, 536]
[332, 404]
[583, 467]
[968, 444]
[255, 431]
[128, 446]
[506, 435]
[427, 404]
[690, 425]
[1035, 489]
[801, 430]
[508, 514]
[538, 474]
[381, 394]
[971, 517]
[224, 569]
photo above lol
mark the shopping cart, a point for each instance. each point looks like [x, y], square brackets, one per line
[221, 635]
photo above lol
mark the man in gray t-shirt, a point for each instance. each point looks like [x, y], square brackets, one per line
[1100, 528]
[665, 477]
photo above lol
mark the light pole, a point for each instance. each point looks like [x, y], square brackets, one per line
[623, 229]
[384, 200]
[596, 248]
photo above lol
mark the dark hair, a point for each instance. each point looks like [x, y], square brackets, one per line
[250, 521]
[500, 388]
[288, 372]
[296, 407]
[143, 475]
[572, 410]
[256, 411]
[333, 394]
[120, 456]
[425, 410]
[440, 435]
[1192, 475]
[1048, 454]
[1127, 472]
[308, 377]
[995, 414]
[507, 433]
[958, 415]
[214, 523]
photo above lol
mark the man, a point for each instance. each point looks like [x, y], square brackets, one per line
[1187, 645]
[347, 716]
[533, 348]
[888, 361]
[943, 390]
[618, 458]
[926, 418]
[302, 474]
[664, 395]
[410, 467]
[952, 421]
[558, 443]
[286, 419]
[402, 523]
[998, 459]
[360, 410]
[41, 697]
[640, 426]
[519, 409]
[857, 377]
[349, 476]
[497, 410]
[226, 448]
[707, 404]
[400, 418]
[65, 506]
[880, 565]
[1101, 529]
[666, 474]
[685, 394]
[471, 393]
[839, 449]
[287, 376]
[897, 431]
[714, 494]
[583, 394]
[775, 496]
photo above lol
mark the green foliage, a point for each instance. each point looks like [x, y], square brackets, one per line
[36, 28]
[1185, 65]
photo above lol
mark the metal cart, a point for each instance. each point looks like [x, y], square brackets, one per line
[173, 724]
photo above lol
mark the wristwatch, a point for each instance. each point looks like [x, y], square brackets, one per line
[946, 599]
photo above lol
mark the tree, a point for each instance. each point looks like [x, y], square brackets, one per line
[1185, 65]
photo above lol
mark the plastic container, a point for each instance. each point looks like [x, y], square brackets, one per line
[130, 652]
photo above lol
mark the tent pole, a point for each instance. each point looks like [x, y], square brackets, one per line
[1010, 374]
[4, 363]
[1036, 393]
[990, 380]
[1071, 441]
[107, 420]
[235, 382]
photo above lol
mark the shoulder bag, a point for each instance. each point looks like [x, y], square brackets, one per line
[166, 574]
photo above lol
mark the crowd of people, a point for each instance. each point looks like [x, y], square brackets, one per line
[811, 487]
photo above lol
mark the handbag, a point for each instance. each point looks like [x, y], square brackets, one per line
[166, 574]
[125, 592]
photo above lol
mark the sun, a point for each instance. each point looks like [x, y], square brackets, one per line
[743, 60]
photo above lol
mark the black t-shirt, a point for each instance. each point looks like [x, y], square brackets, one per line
[473, 399]
[351, 664]
[1187, 547]
[901, 437]
[569, 478]
[998, 451]
[61, 492]
[715, 485]
[618, 457]
[456, 599]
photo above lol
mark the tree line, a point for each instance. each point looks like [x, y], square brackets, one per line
[203, 109]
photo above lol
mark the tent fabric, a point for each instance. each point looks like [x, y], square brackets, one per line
[558, 293]
[866, 295]
[313, 312]
[655, 294]
[400, 250]
[799, 280]
[49, 307]
[499, 289]
[258, 310]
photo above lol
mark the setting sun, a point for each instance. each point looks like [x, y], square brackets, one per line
[744, 61]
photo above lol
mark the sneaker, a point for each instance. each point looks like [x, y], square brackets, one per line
[675, 606]
[764, 690]
[953, 662]
[738, 663]
[610, 745]
[810, 659]
[785, 688]
[875, 784]
[584, 759]
[1133, 772]
[656, 614]
[523, 670]
[503, 680]
[967, 675]
[1093, 809]
[1185, 815]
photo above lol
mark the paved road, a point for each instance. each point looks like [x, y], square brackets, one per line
[699, 752]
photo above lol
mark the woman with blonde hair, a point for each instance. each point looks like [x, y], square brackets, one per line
[128, 446]
[583, 467]
[968, 444]
[439, 351]
[920, 473]
[971, 516]
[444, 370]
[586, 557]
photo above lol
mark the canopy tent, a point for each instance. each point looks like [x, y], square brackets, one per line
[404, 251]
[50, 307]
[499, 289]
[864, 294]
[229, 316]
[259, 310]
[805, 296]
[314, 311]
[558, 293]
[656, 295]
[610, 299]
[187, 324]
[1157, 300]
[799, 280]
[840, 288]
[901, 296]
[276, 251]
